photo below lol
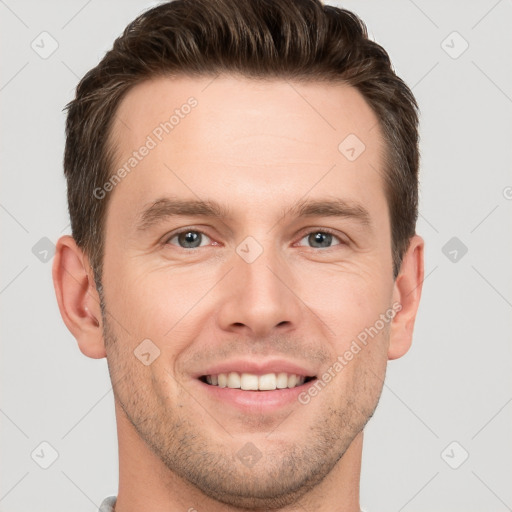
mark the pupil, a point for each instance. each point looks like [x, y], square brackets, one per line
[324, 239]
[191, 239]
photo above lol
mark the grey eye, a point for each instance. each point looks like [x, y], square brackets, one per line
[320, 239]
[189, 239]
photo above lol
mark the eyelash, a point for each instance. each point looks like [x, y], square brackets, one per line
[323, 230]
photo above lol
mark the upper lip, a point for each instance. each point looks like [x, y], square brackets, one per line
[257, 367]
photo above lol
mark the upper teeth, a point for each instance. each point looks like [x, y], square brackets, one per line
[250, 381]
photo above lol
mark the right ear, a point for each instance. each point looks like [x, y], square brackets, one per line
[78, 299]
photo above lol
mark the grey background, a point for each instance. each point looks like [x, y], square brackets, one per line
[453, 385]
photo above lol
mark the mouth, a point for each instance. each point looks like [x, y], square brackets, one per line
[253, 382]
[255, 387]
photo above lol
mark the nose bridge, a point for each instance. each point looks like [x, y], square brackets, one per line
[261, 268]
[259, 294]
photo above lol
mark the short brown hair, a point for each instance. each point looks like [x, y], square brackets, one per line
[285, 39]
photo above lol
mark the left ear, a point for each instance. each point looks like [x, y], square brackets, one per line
[407, 292]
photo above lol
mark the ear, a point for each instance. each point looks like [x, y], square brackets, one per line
[78, 299]
[407, 292]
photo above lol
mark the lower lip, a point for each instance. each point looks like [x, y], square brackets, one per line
[256, 402]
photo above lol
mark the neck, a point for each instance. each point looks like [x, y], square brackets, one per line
[145, 483]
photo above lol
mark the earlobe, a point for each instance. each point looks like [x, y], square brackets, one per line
[77, 297]
[407, 292]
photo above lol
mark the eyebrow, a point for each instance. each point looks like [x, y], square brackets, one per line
[168, 207]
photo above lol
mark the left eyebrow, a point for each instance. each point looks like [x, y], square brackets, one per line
[332, 208]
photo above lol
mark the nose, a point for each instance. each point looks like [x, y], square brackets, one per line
[259, 298]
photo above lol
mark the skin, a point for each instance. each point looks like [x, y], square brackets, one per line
[258, 148]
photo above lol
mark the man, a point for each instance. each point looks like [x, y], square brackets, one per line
[242, 186]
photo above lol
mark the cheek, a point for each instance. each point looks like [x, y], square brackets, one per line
[156, 303]
[348, 302]
[139, 371]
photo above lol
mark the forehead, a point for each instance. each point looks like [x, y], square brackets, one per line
[237, 105]
[232, 136]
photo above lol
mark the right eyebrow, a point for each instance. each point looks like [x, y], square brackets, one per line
[165, 207]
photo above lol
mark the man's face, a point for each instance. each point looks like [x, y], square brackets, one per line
[260, 290]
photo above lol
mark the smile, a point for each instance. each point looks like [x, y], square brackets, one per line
[253, 382]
